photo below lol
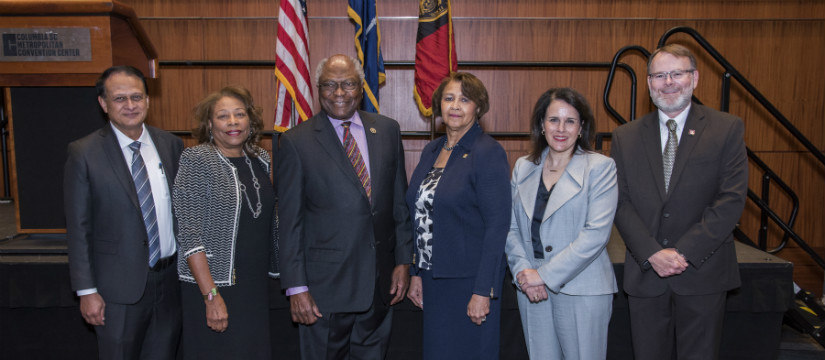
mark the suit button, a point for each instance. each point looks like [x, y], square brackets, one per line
[548, 248]
[666, 215]
[664, 242]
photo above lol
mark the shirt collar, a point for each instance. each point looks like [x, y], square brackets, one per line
[355, 119]
[124, 140]
[680, 119]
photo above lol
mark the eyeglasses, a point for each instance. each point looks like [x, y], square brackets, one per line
[134, 97]
[676, 75]
[347, 85]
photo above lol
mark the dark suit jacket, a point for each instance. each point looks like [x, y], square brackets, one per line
[331, 238]
[471, 210]
[108, 246]
[708, 188]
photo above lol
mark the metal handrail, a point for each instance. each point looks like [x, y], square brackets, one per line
[748, 87]
[768, 174]
[731, 72]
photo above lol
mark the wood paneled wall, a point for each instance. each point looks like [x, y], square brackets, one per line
[778, 45]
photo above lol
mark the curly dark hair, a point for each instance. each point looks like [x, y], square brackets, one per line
[572, 98]
[204, 111]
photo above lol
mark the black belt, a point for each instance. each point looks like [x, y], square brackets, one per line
[164, 263]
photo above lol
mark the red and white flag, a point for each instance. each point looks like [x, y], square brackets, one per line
[294, 90]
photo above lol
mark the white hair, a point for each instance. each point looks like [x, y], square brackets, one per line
[320, 68]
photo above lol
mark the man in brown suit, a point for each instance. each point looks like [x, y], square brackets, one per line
[683, 175]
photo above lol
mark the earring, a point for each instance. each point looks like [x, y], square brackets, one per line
[580, 135]
[542, 131]
[210, 135]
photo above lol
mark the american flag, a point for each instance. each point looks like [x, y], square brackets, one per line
[294, 93]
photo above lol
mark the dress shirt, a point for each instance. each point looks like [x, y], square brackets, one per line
[680, 125]
[357, 131]
[356, 128]
[160, 190]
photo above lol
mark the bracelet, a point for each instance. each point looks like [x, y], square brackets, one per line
[211, 294]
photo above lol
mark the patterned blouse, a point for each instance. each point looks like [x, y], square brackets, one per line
[424, 218]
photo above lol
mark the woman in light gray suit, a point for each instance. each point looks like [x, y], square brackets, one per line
[564, 200]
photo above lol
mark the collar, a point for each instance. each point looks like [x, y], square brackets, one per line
[124, 141]
[681, 119]
[355, 119]
[466, 141]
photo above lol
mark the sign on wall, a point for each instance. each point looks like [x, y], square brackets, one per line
[45, 44]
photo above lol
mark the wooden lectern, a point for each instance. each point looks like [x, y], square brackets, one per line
[52, 53]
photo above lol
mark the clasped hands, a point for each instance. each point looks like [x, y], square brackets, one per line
[668, 262]
[532, 285]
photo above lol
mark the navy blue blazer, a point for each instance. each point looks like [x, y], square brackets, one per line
[471, 210]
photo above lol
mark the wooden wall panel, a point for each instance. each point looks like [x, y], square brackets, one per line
[778, 45]
[182, 88]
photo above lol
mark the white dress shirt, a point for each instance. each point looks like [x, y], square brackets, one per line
[680, 125]
[160, 191]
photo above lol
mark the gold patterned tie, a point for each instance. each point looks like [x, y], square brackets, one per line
[354, 155]
[669, 155]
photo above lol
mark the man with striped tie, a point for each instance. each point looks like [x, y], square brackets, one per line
[345, 236]
[119, 224]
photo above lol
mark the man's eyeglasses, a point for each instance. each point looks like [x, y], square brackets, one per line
[676, 75]
[135, 98]
[330, 86]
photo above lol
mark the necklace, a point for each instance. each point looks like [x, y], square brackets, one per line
[448, 148]
[257, 211]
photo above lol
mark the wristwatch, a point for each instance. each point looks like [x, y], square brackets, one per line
[645, 266]
[211, 294]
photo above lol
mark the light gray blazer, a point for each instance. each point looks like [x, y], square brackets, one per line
[577, 224]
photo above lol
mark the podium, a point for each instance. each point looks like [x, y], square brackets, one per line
[52, 53]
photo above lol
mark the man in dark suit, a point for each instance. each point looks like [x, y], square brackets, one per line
[683, 177]
[345, 235]
[119, 225]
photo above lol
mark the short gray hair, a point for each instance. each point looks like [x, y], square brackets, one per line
[320, 68]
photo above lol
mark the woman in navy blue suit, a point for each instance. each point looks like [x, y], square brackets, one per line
[459, 202]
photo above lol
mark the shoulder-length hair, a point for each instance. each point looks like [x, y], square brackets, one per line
[471, 87]
[572, 98]
[204, 112]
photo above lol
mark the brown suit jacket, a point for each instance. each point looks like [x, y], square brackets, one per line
[708, 189]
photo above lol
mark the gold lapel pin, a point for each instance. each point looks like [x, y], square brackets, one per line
[372, 130]
[465, 156]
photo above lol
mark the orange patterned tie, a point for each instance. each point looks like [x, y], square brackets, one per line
[351, 147]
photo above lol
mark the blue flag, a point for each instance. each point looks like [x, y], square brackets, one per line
[368, 46]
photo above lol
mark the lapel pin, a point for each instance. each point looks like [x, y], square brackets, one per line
[691, 132]
[465, 156]
[372, 130]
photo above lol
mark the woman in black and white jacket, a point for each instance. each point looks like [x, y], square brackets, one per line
[224, 203]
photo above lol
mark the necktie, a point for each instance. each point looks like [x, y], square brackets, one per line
[669, 155]
[354, 155]
[147, 202]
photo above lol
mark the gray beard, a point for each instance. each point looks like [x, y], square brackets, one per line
[680, 104]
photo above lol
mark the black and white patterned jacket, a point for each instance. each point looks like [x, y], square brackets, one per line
[206, 200]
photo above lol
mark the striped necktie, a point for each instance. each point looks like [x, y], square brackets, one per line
[669, 155]
[354, 156]
[147, 202]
